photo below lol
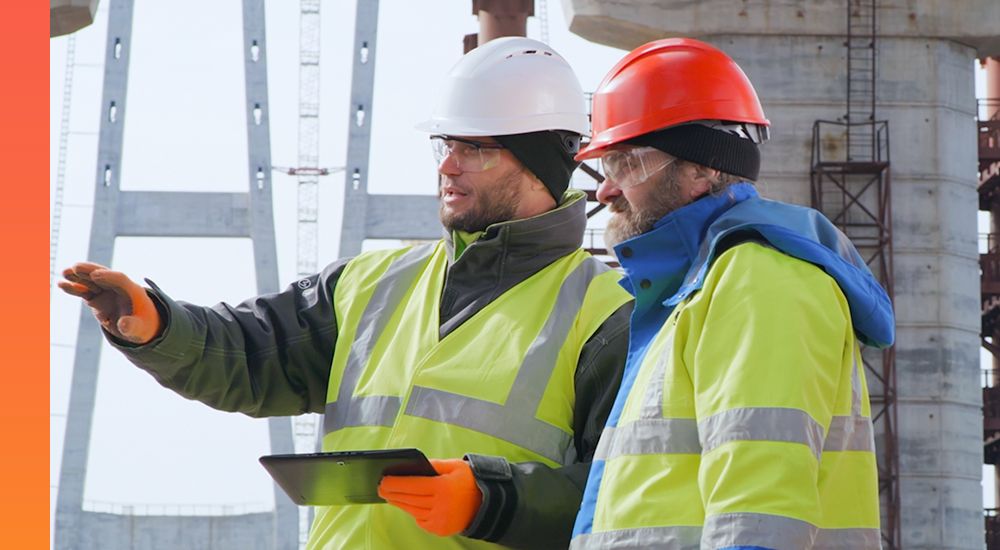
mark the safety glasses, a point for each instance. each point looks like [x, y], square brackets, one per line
[469, 155]
[629, 167]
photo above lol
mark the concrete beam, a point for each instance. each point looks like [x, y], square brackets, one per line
[403, 217]
[632, 23]
[177, 214]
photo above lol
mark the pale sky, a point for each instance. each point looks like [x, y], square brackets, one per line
[185, 130]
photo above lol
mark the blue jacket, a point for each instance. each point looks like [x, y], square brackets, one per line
[668, 264]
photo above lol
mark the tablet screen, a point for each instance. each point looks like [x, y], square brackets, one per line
[348, 477]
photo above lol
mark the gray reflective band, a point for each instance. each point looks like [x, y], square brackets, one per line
[848, 539]
[761, 424]
[649, 436]
[519, 427]
[727, 530]
[684, 435]
[652, 401]
[669, 538]
[770, 531]
[515, 420]
[850, 433]
[855, 383]
[378, 410]
[747, 529]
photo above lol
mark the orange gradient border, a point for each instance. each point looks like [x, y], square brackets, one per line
[24, 293]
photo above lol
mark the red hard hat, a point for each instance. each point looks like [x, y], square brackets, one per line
[665, 83]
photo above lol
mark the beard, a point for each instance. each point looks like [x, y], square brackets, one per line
[494, 202]
[631, 220]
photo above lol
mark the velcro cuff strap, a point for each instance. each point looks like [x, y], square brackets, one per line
[489, 468]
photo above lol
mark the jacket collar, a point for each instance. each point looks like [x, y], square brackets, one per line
[655, 262]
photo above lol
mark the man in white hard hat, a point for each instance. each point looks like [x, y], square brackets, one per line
[502, 343]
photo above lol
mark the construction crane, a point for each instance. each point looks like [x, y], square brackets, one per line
[57, 203]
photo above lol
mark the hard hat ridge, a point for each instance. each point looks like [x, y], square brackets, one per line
[680, 81]
[510, 85]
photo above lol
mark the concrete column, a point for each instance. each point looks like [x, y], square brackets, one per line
[795, 55]
[502, 18]
[992, 65]
[498, 18]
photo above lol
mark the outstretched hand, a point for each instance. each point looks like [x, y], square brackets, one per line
[121, 306]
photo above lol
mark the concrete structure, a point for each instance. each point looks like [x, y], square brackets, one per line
[66, 16]
[794, 53]
[381, 216]
[174, 214]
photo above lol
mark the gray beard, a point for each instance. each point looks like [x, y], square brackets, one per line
[629, 221]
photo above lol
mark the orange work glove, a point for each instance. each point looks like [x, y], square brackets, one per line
[444, 504]
[122, 307]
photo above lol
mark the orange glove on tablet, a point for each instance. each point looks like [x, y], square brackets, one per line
[444, 505]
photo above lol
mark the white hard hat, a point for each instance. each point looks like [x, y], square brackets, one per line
[510, 85]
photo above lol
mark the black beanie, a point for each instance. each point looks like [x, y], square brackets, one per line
[706, 146]
[548, 154]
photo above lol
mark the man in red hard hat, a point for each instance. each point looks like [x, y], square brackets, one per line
[743, 419]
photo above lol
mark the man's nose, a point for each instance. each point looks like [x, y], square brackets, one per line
[607, 192]
[449, 166]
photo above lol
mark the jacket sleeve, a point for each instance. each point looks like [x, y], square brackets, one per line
[267, 356]
[768, 347]
[530, 505]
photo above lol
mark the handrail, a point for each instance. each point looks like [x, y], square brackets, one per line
[158, 509]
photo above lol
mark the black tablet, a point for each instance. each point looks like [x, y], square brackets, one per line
[347, 477]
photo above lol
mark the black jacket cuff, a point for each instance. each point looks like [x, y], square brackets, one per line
[495, 480]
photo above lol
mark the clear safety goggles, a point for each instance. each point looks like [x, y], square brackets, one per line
[629, 167]
[469, 155]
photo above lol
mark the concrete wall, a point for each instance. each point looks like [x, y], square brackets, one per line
[102, 531]
[795, 55]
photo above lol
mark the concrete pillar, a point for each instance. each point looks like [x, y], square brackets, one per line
[992, 65]
[66, 16]
[499, 18]
[502, 18]
[794, 53]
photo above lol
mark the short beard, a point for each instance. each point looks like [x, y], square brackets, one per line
[630, 221]
[496, 202]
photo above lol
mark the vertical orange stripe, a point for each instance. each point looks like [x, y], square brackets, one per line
[24, 304]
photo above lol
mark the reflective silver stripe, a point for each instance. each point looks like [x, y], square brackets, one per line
[734, 530]
[649, 436]
[850, 433]
[515, 420]
[377, 410]
[761, 424]
[848, 539]
[855, 382]
[668, 538]
[516, 426]
[781, 533]
[652, 401]
[748, 529]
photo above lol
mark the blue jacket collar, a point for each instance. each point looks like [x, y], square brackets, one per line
[656, 262]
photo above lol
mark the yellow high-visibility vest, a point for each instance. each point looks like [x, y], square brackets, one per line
[502, 383]
[748, 423]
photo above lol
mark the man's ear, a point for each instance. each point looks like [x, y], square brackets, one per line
[702, 180]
